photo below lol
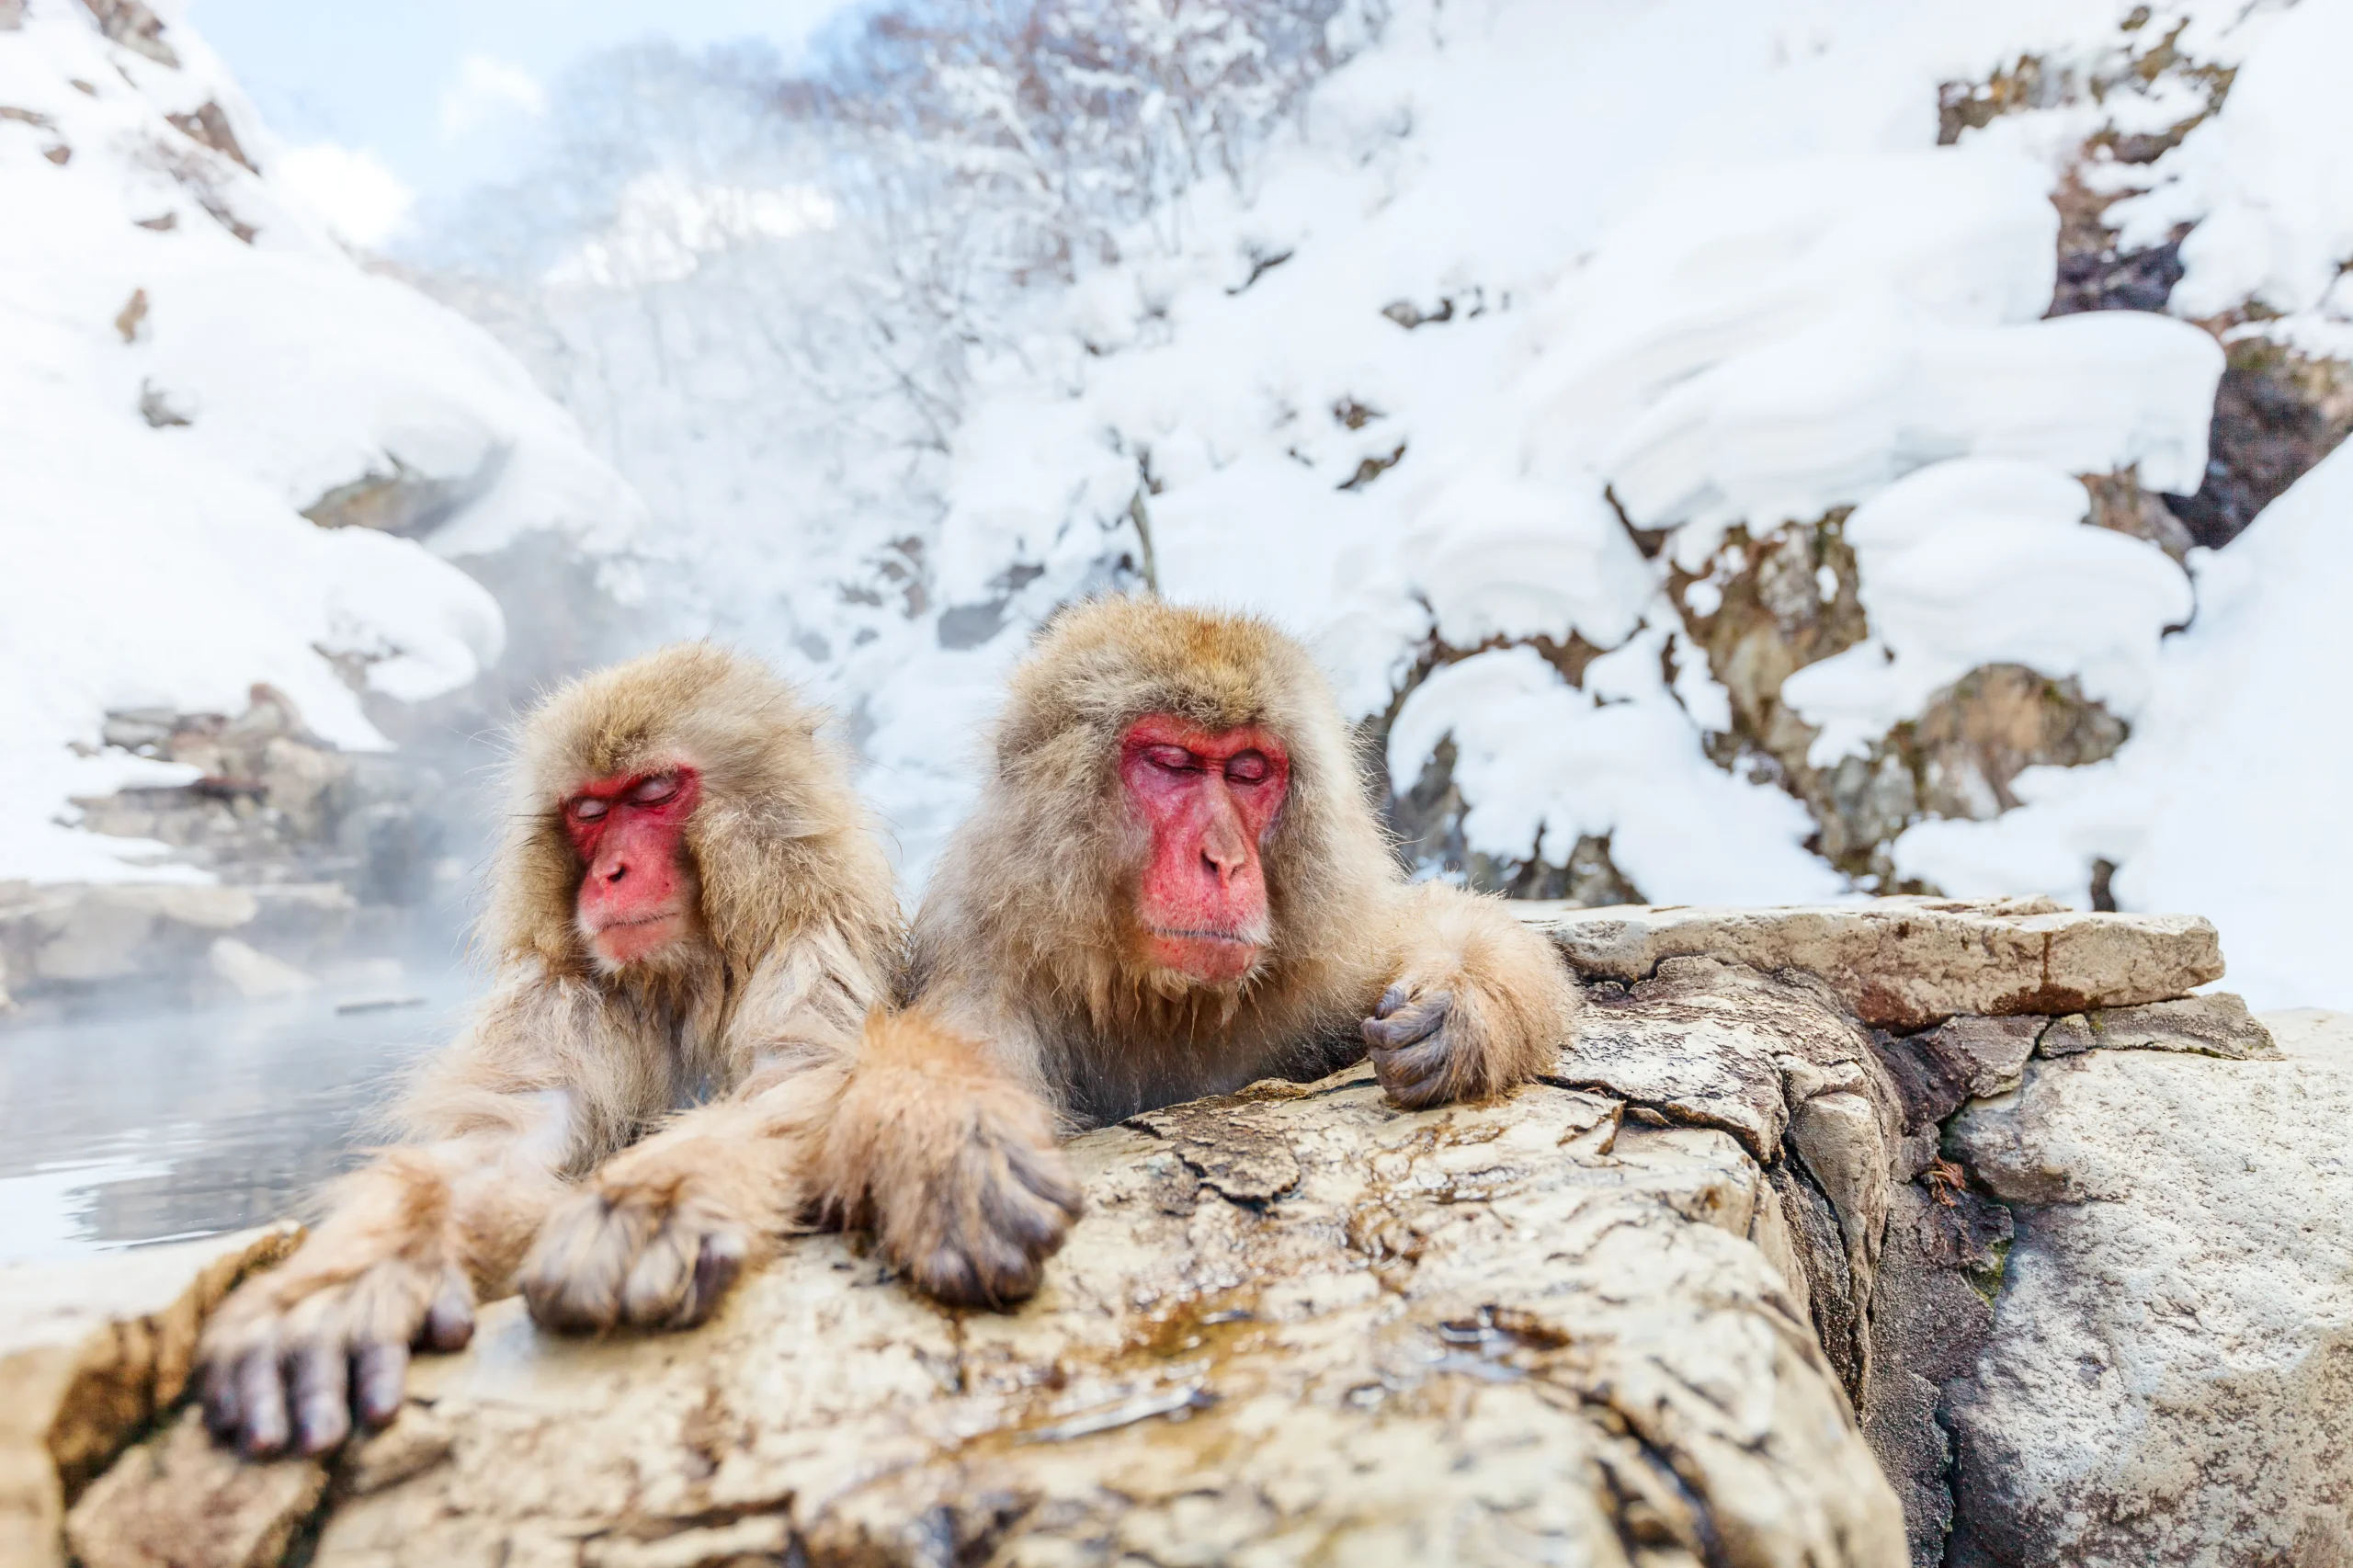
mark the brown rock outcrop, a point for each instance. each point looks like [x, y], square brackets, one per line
[89, 1354]
[1296, 1325]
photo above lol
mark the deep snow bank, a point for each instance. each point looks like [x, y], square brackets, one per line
[187, 363]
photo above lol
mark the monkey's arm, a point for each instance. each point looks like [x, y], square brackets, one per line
[942, 1143]
[659, 1233]
[1476, 1002]
[409, 1244]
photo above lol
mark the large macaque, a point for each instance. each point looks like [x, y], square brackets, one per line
[690, 910]
[1174, 884]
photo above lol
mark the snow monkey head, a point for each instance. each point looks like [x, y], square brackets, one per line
[1168, 788]
[664, 811]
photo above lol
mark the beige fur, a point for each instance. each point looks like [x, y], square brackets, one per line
[1027, 950]
[549, 1148]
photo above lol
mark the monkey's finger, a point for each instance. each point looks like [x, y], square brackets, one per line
[573, 1279]
[1014, 1220]
[1416, 1075]
[1008, 1273]
[1029, 1204]
[1392, 999]
[450, 1321]
[320, 1372]
[1407, 1025]
[717, 1262]
[660, 1282]
[1409, 1064]
[946, 1273]
[1045, 1173]
[220, 1386]
[378, 1373]
[261, 1402]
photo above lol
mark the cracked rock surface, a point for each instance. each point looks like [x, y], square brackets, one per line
[1296, 1325]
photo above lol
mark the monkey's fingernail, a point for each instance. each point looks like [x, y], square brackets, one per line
[1043, 1173]
[449, 1322]
[717, 1262]
[321, 1375]
[948, 1274]
[261, 1400]
[380, 1370]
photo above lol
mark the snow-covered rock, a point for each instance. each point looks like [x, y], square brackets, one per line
[192, 364]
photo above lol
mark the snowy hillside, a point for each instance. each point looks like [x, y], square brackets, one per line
[217, 432]
[1718, 448]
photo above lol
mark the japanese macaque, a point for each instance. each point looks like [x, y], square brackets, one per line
[1174, 884]
[690, 910]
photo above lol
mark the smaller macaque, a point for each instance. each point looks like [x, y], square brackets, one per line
[1174, 883]
[692, 915]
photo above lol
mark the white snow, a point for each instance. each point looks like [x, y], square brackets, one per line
[1719, 284]
[168, 565]
[364, 203]
[1538, 757]
[2267, 180]
[1985, 561]
[2230, 798]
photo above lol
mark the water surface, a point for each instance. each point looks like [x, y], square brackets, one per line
[123, 1128]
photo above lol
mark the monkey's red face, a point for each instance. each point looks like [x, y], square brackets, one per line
[638, 893]
[1208, 799]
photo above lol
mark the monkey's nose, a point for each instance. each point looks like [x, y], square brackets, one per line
[620, 870]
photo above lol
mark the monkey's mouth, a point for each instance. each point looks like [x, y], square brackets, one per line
[661, 919]
[1237, 939]
[1207, 955]
[621, 942]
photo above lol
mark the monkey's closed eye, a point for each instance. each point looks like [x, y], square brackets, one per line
[587, 810]
[1177, 759]
[1248, 768]
[654, 790]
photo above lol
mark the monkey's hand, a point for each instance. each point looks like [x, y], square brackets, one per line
[295, 1355]
[653, 1240]
[1481, 1002]
[1425, 1042]
[954, 1163]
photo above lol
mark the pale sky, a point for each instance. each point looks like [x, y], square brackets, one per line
[384, 102]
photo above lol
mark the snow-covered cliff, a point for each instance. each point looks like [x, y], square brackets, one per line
[223, 437]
